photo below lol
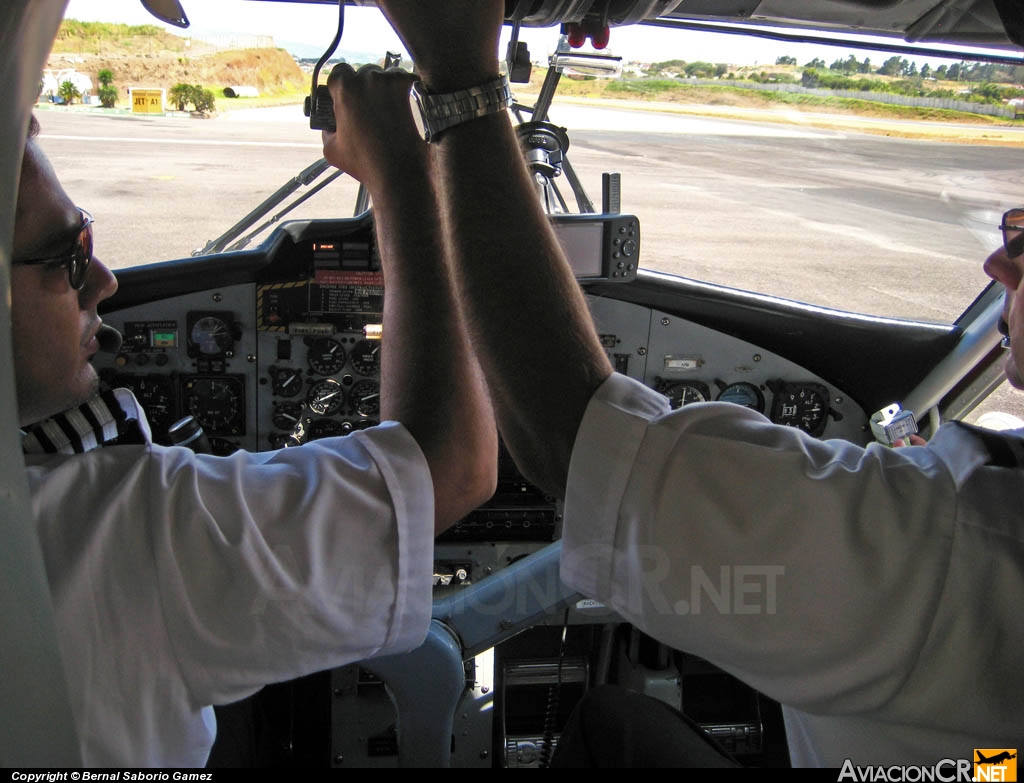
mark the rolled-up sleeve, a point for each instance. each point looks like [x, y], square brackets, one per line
[780, 557]
[283, 563]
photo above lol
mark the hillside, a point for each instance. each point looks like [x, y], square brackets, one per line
[146, 56]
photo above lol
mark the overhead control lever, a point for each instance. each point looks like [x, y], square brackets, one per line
[318, 105]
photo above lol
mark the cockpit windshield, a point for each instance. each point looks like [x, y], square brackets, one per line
[743, 174]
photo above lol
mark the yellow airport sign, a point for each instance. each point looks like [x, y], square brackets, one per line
[146, 101]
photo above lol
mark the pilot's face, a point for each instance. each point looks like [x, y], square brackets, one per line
[1010, 272]
[53, 325]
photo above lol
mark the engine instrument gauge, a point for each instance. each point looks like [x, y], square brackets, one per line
[801, 405]
[211, 335]
[325, 356]
[286, 415]
[286, 381]
[682, 393]
[326, 397]
[743, 393]
[365, 398]
[366, 357]
[217, 402]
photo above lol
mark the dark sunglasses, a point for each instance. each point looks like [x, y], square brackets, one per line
[1012, 227]
[76, 258]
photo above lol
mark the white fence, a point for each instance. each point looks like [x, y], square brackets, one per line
[237, 41]
[991, 109]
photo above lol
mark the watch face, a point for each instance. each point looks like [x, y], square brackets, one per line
[418, 117]
[435, 113]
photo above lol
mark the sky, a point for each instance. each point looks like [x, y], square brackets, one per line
[367, 31]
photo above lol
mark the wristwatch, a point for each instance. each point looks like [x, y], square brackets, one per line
[436, 112]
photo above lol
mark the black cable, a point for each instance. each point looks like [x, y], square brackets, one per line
[554, 696]
[319, 106]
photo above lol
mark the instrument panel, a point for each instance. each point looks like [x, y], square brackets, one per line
[287, 349]
[294, 354]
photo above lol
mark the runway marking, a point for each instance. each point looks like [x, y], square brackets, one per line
[197, 142]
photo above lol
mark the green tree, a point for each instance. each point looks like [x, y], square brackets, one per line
[892, 67]
[107, 92]
[107, 95]
[203, 100]
[700, 70]
[183, 95]
[785, 60]
[981, 72]
[817, 62]
[68, 92]
[180, 95]
[987, 93]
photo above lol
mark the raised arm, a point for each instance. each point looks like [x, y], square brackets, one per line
[524, 310]
[430, 381]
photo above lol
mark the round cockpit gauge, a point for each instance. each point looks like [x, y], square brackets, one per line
[326, 397]
[365, 398]
[366, 357]
[211, 336]
[286, 381]
[217, 403]
[684, 392]
[286, 415]
[328, 428]
[802, 405]
[155, 394]
[745, 394]
[325, 356]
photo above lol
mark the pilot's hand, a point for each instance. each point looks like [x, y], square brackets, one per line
[376, 141]
[915, 440]
[454, 43]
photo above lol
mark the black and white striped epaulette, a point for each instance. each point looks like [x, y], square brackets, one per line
[110, 417]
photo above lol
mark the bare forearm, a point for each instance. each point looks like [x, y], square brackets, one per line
[542, 364]
[430, 379]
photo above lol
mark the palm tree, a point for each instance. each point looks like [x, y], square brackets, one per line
[68, 91]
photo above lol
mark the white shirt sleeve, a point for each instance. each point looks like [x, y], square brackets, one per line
[242, 570]
[811, 569]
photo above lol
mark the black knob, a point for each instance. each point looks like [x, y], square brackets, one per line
[321, 112]
[189, 432]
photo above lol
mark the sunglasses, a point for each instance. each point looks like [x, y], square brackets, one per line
[1012, 227]
[78, 256]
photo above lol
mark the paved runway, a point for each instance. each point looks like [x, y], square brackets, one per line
[836, 218]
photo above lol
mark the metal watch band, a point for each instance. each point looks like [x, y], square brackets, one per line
[436, 112]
